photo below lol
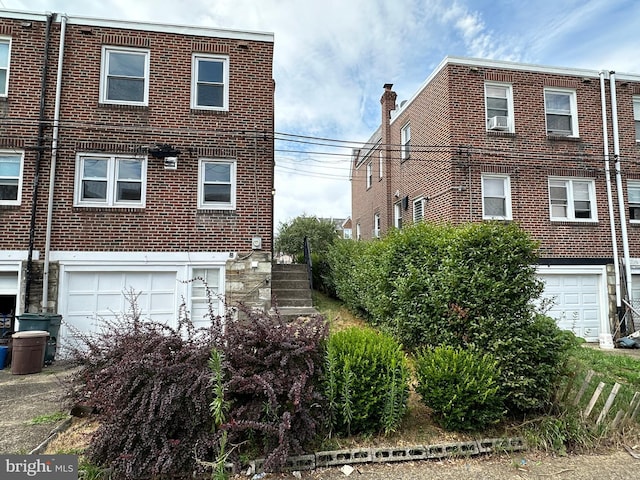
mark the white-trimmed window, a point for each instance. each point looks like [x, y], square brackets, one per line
[11, 164]
[369, 175]
[5, 55]
[110, 181]
[636, 116]
[499, 107]
[397, 215]
[203, 279]
[405, 142]
[380, 163]
[496, 197]
[561, 112]
[633, 193]
[217, 184]
[418, 210]
[125, 76]
[572, 199]
[376, 225]
[210, 82]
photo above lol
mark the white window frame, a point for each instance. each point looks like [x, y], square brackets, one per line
[231, 204]
[570, 188]
[112, 180]
[20, 156]
[506, 196]
[508, 90]
[418, 216]
[573, 112]
[4, 89]
[195, 65]
[104, 77]
[369, 175]
[633, 197]
[405, 142]
[636, 117]
[207, 272]
[376, 225]
[397, 215]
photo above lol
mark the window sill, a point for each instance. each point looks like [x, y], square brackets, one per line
[575, 223]
[114, 209]
[562, 138]
[229, 212]
[200, 111]
[120, 106]
[500, 133]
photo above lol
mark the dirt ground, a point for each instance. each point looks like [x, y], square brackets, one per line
[26, 397]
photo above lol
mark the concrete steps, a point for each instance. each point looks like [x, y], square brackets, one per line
[290, 290]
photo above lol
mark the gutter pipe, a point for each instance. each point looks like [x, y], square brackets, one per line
[52, 171]
[39, 150]
[623, 217]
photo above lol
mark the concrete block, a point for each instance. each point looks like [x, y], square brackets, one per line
[343, 457]
[457, 449]
[399, 454]
[301, 462]
[490, 445]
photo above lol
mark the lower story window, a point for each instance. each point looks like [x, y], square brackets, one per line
[572, 199]
[496, 197]
[205, 294]
[633, 192]
[217, 184]
[10, 178]
[111, 181]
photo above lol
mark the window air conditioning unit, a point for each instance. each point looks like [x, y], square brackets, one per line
[499, 122]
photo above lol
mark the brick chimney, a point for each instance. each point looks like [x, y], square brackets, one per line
[388, 102]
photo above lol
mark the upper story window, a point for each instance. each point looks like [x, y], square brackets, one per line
[369, 175]
[636, 116]
[572, 199]
[10, 178]
[376, 225]
[110, 181]
[499, 107]
[210, 82]
[633, 192]
[125, 76]
[217, 184]
[405, 142]
[496, 197]
[5, 48]
[418, 210]
[561, 112]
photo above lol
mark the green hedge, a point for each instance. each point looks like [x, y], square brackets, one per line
[366, 384]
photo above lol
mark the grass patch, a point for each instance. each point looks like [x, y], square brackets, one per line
[48, 418]
[338, 316]
[611, 366]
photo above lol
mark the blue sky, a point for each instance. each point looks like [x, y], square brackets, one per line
[332, 58]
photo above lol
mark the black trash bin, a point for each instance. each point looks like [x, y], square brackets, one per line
[49, 322]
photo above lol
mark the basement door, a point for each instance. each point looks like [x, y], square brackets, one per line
[88, 296]
[576, 302]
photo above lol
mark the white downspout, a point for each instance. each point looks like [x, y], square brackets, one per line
[606, 339]
[52, 170]
[623, 217]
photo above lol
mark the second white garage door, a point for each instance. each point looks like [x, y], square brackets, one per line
[576, 302]
[90, 295]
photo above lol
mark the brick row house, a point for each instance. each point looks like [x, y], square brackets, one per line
[489, 140]
[133, 157]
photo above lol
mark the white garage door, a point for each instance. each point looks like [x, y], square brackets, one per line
[90, 295]
[575, 303]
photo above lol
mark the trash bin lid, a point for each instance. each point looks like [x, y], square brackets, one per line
[31, 334]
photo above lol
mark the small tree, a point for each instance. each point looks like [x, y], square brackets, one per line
[320, 232]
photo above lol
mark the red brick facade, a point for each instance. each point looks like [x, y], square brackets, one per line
[451, 147]
[170, 220]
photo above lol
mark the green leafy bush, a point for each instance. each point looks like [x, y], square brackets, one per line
[432, 285]
[460, 386]
[366, 382]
